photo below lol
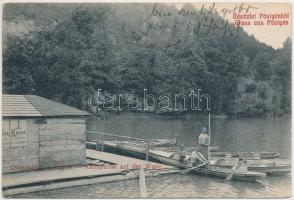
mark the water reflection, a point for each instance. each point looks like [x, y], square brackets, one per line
[175, 186]
[260, 134]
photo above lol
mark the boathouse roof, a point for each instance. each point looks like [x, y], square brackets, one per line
[36, 106]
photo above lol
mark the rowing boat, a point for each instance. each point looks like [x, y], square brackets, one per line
[271, 170]
[209, 170]
[248, 155]
[169, 158]
[163, 155]
[268, 167]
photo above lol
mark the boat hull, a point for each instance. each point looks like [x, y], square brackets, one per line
[270, 168]
[248, 155]
[275, 170]
[212, 170]
[221, 174]
[216, 171]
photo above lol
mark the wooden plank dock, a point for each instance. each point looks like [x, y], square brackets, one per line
[19, 179]
[58, 184]
[123, 160]
[114, 170]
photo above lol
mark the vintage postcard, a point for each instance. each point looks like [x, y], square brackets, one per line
[146, 100]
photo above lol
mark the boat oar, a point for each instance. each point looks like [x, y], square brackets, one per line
[234, 169]
[186, 171]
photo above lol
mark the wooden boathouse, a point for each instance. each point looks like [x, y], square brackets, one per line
[39, 133]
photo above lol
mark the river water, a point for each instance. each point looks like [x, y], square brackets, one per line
[239, 135]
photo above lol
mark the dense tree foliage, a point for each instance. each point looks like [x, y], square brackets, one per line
[113, 48]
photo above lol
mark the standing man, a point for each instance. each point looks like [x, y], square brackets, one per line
[203, 142]
[200, 155]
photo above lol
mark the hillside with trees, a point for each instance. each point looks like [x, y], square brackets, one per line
[66, 53]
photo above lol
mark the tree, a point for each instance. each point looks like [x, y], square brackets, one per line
[281, 81]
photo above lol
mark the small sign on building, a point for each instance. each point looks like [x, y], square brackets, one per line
[14, 132]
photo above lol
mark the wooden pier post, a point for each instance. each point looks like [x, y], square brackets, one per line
[142, 184]
[147, 150]
[102, 146]
[209, 134]
[101, 143]
[97, 144]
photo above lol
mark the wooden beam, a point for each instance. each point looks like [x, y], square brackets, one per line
[147, 150]
[142, 184]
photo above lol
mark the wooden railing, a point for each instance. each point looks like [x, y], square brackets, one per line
[100, 142]
[123, 137]
[119, 136]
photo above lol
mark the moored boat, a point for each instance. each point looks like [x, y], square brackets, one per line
[169, 158]
[271, 170]
[268, 167]
[138, 150]
[209, 170]
[248, 155]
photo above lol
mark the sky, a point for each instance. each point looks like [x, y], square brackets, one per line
[272, 35]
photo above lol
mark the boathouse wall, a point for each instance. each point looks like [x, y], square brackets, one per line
[20, 145]
[39, 143]
[62, 142]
